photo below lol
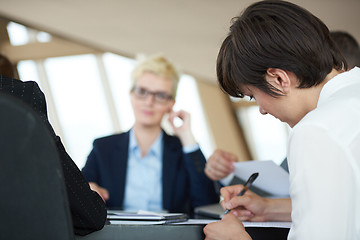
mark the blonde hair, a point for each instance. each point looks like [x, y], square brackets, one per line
[159, 66]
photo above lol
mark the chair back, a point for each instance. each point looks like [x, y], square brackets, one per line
[33, 199]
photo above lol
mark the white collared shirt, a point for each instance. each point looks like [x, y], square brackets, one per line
[324, 164]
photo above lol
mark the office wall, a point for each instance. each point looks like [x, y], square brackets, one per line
[227, 134]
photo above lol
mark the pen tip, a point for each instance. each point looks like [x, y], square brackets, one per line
[254, 176]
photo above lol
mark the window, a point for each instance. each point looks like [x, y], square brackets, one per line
[88, 95]
[80, 102]
[266, 136]
[188, 99]
[118, 71]
[18, 34]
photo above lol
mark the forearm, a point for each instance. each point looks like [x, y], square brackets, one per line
[278, 209]
[187, 138]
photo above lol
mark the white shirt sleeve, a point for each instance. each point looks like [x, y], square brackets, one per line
[191, 148]
[227, 180]
[321, 186]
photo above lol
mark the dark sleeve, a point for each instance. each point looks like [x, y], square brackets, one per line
[202, 189]
[89, 171]
[88, 211]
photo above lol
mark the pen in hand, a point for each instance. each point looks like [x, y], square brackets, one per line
[246, 187]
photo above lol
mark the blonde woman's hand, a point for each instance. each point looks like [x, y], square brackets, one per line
[183, 131]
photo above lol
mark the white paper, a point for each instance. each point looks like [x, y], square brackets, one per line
[196, 222]
[272, 177]
[268, 224]
[123, 222]
[246, 224]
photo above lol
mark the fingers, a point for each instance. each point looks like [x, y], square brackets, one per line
[183, 115]
[238, 209]
[230, 191]
[250, 206]
[230, 156]
[238, 202]
[183, 129]
[171, 118]
[180, 121]
[232, 200]
[226, 155]
[222, 202]
[220, 164]
[215, 174]
[209, 231]
[243, 214]
[229, 217]
[228, 228]
[103, 192]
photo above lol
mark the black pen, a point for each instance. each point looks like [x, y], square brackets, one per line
[246, 187]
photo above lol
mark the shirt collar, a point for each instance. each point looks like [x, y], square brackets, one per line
[155, 149]
[337, 83]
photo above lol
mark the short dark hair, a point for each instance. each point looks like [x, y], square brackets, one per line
[275, 34]
[348, 47]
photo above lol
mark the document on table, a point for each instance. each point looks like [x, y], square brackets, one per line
[246, 224]
[272, 177]
[137, 222]
[144, 218]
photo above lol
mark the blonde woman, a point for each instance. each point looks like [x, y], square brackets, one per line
[145, 168]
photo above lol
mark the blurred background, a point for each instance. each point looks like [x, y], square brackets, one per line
[82, 52]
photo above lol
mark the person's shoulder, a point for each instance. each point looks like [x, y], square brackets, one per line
[15, 83]
[110, 139]
[27, 91]
[30, 83]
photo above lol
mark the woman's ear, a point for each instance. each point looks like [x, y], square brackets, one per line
[171, 105]
[279, 79]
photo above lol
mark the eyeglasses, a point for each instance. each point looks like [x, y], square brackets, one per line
[160, 97]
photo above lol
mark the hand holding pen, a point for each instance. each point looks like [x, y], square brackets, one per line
[246, 187]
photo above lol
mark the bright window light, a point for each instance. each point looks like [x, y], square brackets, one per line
[118, 70]
[18, 34]
[188, 99]
[266, 135]
[80, 102]
[43, 37]
[27, 71]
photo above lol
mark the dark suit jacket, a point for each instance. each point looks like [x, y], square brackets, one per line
[185, 185]
[88, 211]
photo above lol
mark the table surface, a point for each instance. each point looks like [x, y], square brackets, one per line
[174, 232]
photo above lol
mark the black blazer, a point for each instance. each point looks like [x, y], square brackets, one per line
[184, 182]
[88, 211]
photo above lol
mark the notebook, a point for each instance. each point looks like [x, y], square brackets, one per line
[141, 216]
